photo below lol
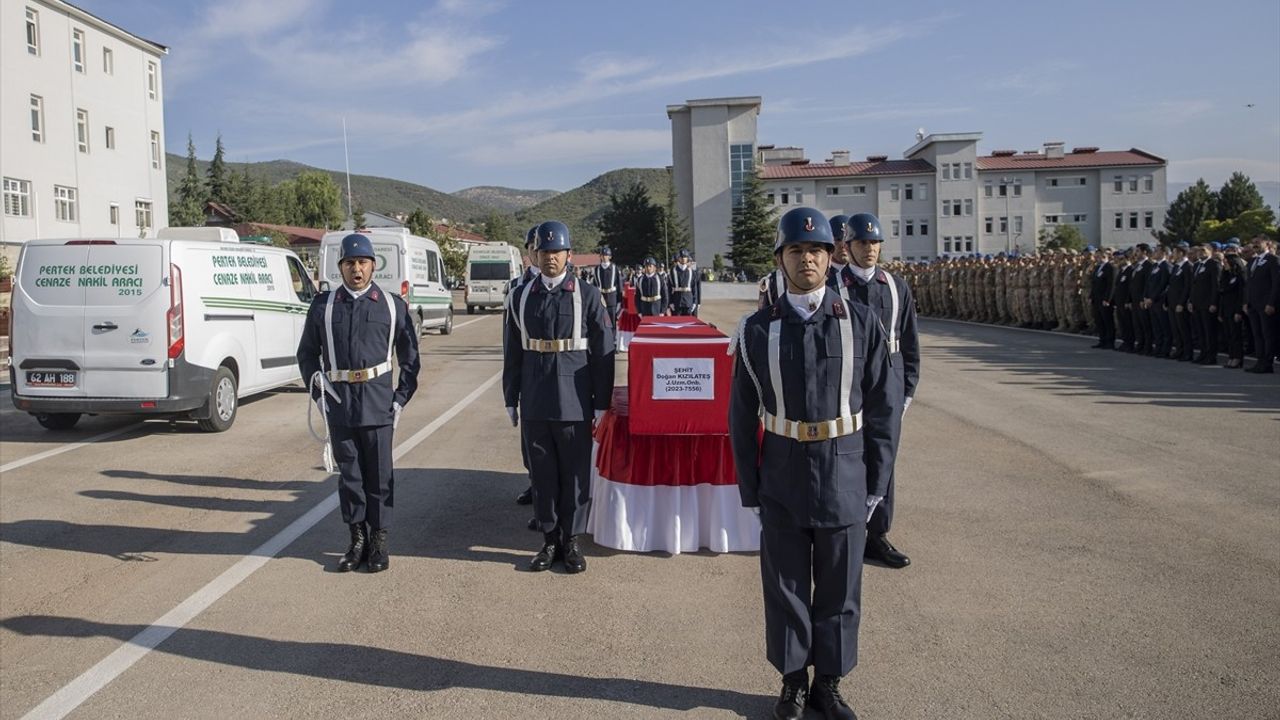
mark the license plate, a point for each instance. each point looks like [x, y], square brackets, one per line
[51, 378]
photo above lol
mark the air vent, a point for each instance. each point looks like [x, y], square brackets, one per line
[1083, 150]
[877, 158]
[1004, 153]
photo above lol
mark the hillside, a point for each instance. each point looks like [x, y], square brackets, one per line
[503, 198]
[583, 206]
[378, 194]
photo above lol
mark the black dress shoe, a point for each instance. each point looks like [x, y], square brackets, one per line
[879, 548]
[533, 523]
[791, 702]
[526, 497]
[825, 697]
[357, 551]
[379, 559]
[574, 560]
[549, 553]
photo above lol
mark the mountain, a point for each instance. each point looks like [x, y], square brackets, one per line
[503, 198]
[1270, 191]
[378, 194]
[583, 206]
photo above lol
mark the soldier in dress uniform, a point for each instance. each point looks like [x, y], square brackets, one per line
[839, 258]
[608, 280]
[1101, 286]
[686, 289]
[1203, 305]
[1155, 295]
[531, 272]
[1177, 297]
[890, 301]
[345, 354]
[1124, 309]
[652, 296]
[558, 374]
[1262, 303]
[821, 466]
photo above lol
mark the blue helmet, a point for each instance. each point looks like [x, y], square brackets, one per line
[356, 245]
[864, 227]
[531, 237]
[804, 225]
[553, 236]
[838, 223]
[606, 252]
[683, 254]
[1215, 245]
[1183, 245]
[649, 261]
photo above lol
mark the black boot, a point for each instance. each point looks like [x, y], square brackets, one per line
[879, 548]
[549, 553]
[526, 497]
[825, 697]
[379, 559]
[795, 691]
[574, 561]
[358, 551]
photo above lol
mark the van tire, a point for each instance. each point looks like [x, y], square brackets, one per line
[58, 421]
[417, 325]
[471, 309]
[223, 404]
[447, 327]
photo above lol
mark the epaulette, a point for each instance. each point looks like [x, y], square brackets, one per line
[881, 278]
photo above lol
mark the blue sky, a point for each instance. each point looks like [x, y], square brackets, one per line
[549, 94]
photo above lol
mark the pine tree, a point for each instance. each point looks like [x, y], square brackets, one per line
[357, 217]
[753, 230]
[217, 174]
[1192, 207]
[188, 211]
[677, 229]
[1238, 196]
[632, 226]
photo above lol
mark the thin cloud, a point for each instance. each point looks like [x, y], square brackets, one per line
[1035, 80]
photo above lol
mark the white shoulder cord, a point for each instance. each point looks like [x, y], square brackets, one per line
[739, 342]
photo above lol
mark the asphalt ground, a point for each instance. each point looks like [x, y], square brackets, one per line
[1092, 534]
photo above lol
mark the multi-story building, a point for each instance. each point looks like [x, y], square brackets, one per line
[81, 125]
[941, 198]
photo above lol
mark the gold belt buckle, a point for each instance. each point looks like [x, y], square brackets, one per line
[358, 376]
[813, 432]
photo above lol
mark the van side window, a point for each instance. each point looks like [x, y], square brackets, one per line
[302, 286]
[433, 267]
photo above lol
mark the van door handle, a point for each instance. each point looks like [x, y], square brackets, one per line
[108, 325]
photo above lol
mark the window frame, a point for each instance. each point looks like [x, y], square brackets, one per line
[78, 46]
[924, 227]
[109, 141]
[20, 192]
[153, 80]
[908, 192]
[143, 209]
[893, 192]
[33, 31]
[1119, 223]
[108, 61]
[157, 152]
[82, 130]
[923, 191]
[1148, 183]
[896, 227]
[1149, 219]
[1133, 220]
[909, 228]
[968, 207]
[37, 118]
[65, 203]
[988, 224]
[113, 213]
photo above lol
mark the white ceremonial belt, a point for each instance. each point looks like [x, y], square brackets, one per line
[684, 289]
[609, 290]
[813, 431]
[895, 346]
[650, 298]
[359, 376]
[554, 346]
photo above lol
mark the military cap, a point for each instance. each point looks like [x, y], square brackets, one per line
[864, 227]
[803, 225]
[553, 236]
[356, 245]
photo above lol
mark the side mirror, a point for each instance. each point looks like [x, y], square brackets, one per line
[324, 286]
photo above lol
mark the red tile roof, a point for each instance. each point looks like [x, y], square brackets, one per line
[821, 170]
[458, 233]
[1106, 158]
[296, 235]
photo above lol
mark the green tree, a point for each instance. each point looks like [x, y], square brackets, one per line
[319, 203]
[753, 230]
[455, 259]
[357, 216]
[498, 228]
[1064, 237]
[1237, 196]
[188, 211]
[1245, 226]
[283, 203]
[717, 263]
[217, 173]
[632, 226]
[419, 223]
[1192, 207]
[678, 237]
[238, 196]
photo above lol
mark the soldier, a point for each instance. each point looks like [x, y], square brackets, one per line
[1231, 303]
[558, 374]
[1001, 285]
[839, 258]
[1155, 296]
[685, 287]
[821, 466]
[1120, 301]
[1203, 304]
[1262, 301]
[652, 297]
[890, 300]
[1176, 297]
[1101, 286]
[345, 353]
[607, 281]
[1137, 293]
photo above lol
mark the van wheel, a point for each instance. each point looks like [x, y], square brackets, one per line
[471, 309]
[58, 421]
[222, 402]
[447, 327]
[417, 325]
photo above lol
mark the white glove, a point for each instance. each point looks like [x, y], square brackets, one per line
[755, 509]
[906, 404]
[872, 502]
[396, 409]
[514, 415]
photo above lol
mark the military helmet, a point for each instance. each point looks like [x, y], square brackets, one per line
[606, 252]
[864, 227]
[804, 225]
[553, 236]
[531, 237]
[683, 254]
[838, 223]
[357, 245]
[649, 261]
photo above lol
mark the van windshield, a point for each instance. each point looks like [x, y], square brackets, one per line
[491, 271]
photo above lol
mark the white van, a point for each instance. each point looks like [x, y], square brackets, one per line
[490, 269]
[184, 324]
[407, 264]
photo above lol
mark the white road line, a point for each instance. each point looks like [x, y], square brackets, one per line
[459, 326]
[67, 448]
[76, 692]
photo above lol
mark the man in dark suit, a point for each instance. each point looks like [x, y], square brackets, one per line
[819, 468]
[1262, 303]
[1203, 304]
[1120, 301]
[1142, 266]
[1101, 286]
[1178, 295]
[1154, 299]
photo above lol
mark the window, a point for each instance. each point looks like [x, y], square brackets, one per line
[82, 130]
[1050, 219]
[1051, 182]
[911, 228]
[1017, 224]
[923, 191]
[1079, 218]
[433, 267]
[1004, 224]
[1148, 184]
[896, 225]
[142, 213]
[741, 167]
[770, 198]
[846, 190]
[785, 196]
[946, 171]
[1017, 188]
[153, 83]
[833, 190]
[155, 150]
[955, 171]
[968, 206]
[64, 203]
[1118, 184]
[1119, 221]
[111, 138]
[968, 243]
[946, 208]
[33, 32]
[924, 228]
[908, 192]
[987, 224]
[1083, 181]
[1133, 221]
[1004, 190]
[968, 171]
[859, 189]
[946, 244]
[77, 50]
[1133, 183]
[114, 214]
[17, 197]
[1148, 219]
[799, 196]
[108, 61]
[37, 118]
[893, 192]
[987, 189]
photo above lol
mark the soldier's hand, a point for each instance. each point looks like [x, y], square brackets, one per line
[396, 409]
[1213, 309]
[872, 502]
[514, 415]
[755, 509]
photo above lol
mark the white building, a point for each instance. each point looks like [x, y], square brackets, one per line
[82, 125]
[941, 198]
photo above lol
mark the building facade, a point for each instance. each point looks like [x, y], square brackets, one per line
[81, 126]
[941, 198]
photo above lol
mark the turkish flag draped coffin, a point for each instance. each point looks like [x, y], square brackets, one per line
[679, 374]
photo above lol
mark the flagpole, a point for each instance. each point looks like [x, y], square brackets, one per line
[346, 156]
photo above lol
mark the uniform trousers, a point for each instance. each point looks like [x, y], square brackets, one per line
[1162, 328]
[1266, 334]
[560, 466]
[1104, 320]
[1125, 315]
[649, 309]
[681, 302]
[1234, 330]
[812, 580]
[1141, 329]
[1181, 325]
[366, 483]
[1208, 324]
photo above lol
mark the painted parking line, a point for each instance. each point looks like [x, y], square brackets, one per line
[67, 448]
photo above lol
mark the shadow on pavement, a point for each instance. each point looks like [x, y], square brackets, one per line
[395, 669]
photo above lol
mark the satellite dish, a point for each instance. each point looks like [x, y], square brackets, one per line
[919, 133]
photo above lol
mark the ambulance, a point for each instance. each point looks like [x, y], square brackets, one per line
[490, 269]
[185, 325]
[407, 264]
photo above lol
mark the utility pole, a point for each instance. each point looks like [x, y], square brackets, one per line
[346, 157]
[1006, 185]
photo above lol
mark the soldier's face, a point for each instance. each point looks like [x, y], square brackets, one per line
[806, 266]
[357, 273]
[841, 255]
[552, 263]
[864, 254]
